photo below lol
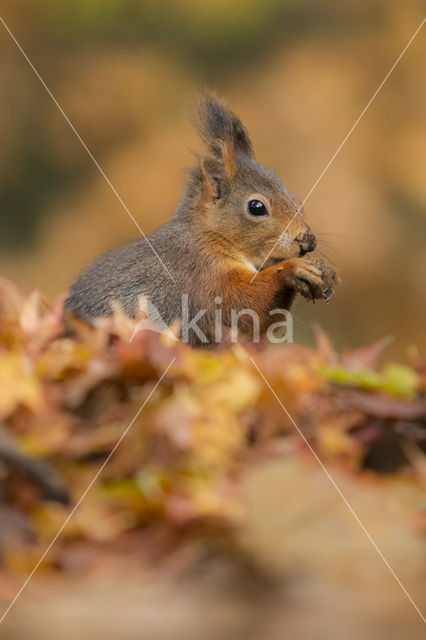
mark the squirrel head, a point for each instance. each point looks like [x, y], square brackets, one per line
[241, 203]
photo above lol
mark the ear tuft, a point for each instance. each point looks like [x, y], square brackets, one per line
[215, 121]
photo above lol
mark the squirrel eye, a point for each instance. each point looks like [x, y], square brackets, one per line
[256, 208]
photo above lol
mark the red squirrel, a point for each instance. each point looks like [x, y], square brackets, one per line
[235, 239]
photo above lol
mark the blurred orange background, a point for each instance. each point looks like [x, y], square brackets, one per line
[299, 75]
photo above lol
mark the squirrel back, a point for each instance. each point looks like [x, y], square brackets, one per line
[236, 217]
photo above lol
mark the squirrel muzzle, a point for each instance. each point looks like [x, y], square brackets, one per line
[307, 243]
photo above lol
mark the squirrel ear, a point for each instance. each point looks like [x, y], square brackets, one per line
[215, 121]
[211, 178]
[217, 167]
[224, 151]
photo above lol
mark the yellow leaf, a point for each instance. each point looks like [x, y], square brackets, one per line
[18, 385]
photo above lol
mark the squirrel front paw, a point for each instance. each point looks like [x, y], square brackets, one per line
[315, 279]
[330, 276]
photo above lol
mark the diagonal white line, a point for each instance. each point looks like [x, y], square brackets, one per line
[84, 494]
[333, 482]
[333, 157]
[96, 163]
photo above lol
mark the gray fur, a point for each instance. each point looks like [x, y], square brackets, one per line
[126, 272]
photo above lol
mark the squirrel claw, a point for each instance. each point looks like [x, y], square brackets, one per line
[328, 293]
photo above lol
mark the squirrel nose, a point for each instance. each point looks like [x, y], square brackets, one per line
[308, 243]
